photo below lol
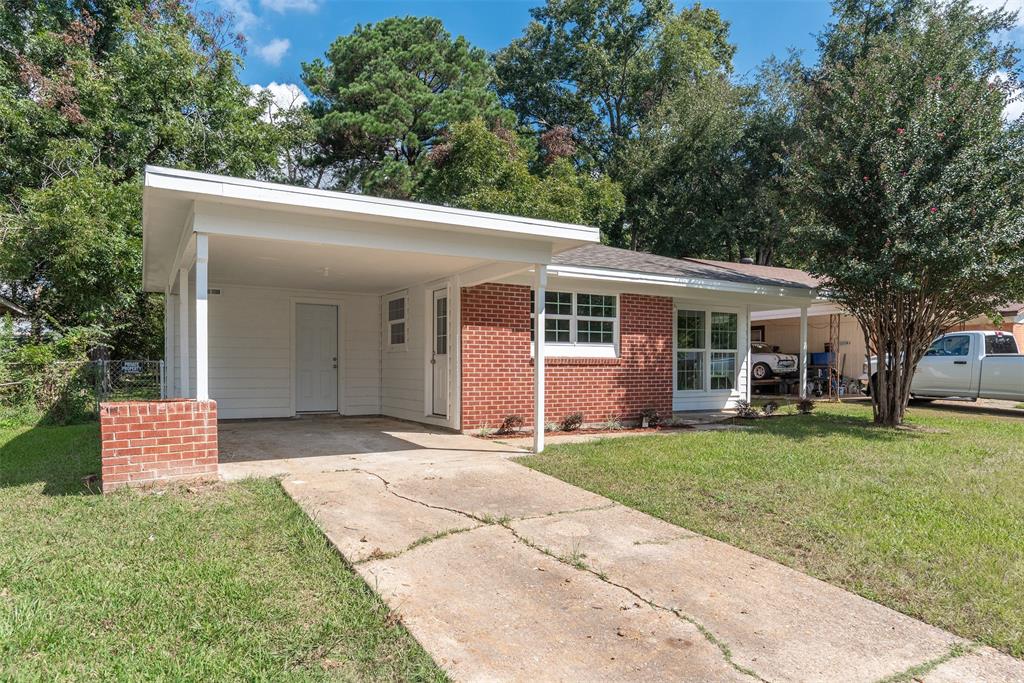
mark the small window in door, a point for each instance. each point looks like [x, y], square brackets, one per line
[441, 326]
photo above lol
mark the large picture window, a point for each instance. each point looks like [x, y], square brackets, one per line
[707, 350]
[571, 318]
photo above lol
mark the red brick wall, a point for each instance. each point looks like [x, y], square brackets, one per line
[148, 441]
[497, 369]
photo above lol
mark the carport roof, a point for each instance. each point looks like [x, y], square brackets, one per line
[612, 258]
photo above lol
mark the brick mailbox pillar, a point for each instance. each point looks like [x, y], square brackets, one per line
[145, 442]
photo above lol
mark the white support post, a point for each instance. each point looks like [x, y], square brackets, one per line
[540, 285]
[202, 328]
[168, 388]
[184, 368]
[749, 361]
[803, 352]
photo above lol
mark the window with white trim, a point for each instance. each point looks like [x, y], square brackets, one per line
[578, 318]
[396, 322]
[707, 350]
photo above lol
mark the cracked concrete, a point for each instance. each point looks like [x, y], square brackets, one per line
[503, 573]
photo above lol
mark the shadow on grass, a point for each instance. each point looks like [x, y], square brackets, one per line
[823, 425]
[65, 458]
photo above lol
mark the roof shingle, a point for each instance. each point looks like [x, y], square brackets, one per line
[601, 256]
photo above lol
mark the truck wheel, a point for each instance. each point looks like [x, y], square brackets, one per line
[762, 371]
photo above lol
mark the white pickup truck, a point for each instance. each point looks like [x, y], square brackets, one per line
[968, 365]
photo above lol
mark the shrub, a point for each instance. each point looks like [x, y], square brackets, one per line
[612, 423]
[770, 408]
[745, 410]
[805, 406]
[511, 424]
[652, 416]
[572, 422]
[551, 427]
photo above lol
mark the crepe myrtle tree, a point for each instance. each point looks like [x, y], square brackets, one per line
[913, 177]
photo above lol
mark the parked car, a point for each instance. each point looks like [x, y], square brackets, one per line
[968, 365]
[767, 362]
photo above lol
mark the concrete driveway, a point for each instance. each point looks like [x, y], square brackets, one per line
[503, 573]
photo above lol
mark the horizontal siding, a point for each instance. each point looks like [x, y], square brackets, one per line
[251, 353]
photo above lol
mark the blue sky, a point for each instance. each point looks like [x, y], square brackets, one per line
[281, 34]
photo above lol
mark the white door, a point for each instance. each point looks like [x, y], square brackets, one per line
[947, 368]
[316, 358]
[439, 354]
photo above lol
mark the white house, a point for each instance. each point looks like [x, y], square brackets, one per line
[284, 300]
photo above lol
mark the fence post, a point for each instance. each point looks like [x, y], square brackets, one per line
[163, 386]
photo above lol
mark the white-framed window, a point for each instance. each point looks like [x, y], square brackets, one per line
[707, 350]
[578, 318]
[395, 311]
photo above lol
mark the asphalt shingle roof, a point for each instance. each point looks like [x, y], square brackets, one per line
[601, 256]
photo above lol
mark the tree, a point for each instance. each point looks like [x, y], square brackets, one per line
[387, 92]
[89, 94]
[681, 175]
[490, 170]
[914, 181]
[601, 66]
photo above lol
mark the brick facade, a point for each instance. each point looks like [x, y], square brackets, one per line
[497, 368]
[144, 442]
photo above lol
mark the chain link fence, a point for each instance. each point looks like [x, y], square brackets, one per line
[67, 391]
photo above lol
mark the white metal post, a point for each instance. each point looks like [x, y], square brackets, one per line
[748, 362]
[169, 329]
[540, 285]
[803, 352]
[202, 337]
[183, 339]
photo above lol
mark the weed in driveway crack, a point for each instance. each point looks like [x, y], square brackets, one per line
[575, 560]
[422, 540]
[915, 672]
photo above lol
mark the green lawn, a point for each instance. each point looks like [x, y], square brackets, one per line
[928, 520]
[217, 582]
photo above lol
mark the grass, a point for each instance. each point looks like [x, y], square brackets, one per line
[928, 519]
[193, 583]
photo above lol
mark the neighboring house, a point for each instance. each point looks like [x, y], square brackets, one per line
[781, 328]
[284, 300]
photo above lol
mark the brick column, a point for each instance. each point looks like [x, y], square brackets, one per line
[144, 442]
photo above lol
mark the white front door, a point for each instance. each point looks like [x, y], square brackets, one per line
[439, 354]
[316, 358]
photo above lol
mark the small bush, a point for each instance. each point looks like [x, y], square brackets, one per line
[572, 422]
[612, 424]
[551, 427]
[805, 406]
[745, 410]
[652, 416]
[511, 424]
[770, 408]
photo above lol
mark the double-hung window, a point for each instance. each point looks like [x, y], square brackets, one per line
[396, 327]
[707, 350]
[576, 319]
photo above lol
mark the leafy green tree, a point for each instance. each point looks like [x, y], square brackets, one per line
[387, 92]
[90, 93]
[490, 170]
[602, 66]
[914, 180]
[681, 175]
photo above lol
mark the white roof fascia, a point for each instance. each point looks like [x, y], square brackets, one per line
[637, 277]
[226, 188]
[783, 313]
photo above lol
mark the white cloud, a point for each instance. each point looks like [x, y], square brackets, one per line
[284, 96]
[241, 12]
[282, 6]
[1011, 5]
[1013, 110]
[274, 51]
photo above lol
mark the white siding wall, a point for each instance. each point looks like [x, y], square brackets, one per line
[251, 356]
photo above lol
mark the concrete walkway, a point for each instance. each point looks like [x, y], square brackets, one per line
[503, 573]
